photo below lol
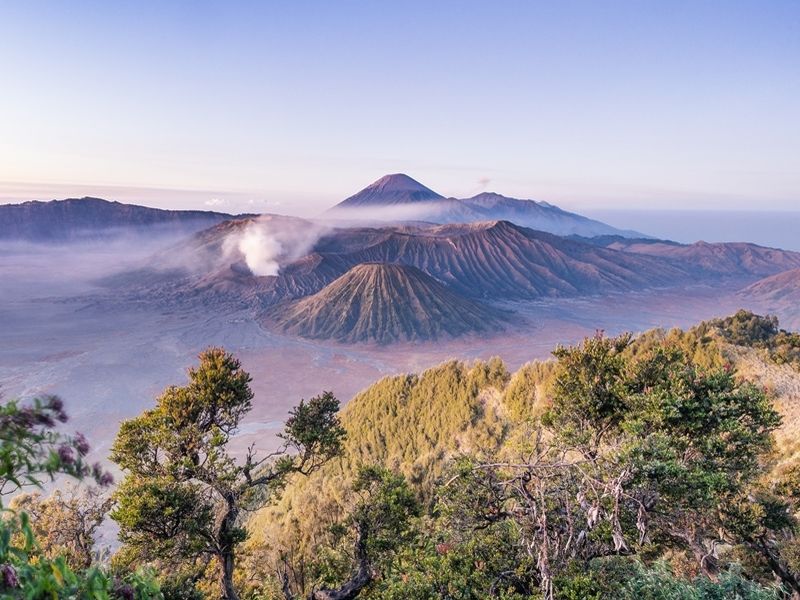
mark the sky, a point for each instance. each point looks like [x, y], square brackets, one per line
[292, 106]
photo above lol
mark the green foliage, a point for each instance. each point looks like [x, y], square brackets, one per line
[629, 579]
[639, 447]
[526, 395]
[589, 393]
[23, 577]
[696, 345]
[702, 431]
[745, 328]
[313, 432]
[443, 564]
[410, 424]
[379, 524]
[65, 523]
[414, 422]
[384, 506]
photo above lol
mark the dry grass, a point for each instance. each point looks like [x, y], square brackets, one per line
[782, 382]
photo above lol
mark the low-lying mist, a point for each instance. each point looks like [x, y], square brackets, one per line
[381, 215]
[30, 270]
[86, 265]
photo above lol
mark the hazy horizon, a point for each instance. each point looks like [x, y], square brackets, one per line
[585, 105]
[774, 228]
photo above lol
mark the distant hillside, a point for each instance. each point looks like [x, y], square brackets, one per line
[535, 215]
[722, 258]
[779, 294]
[399, 198]
[81, 218]
[500, 260]
[385, 303]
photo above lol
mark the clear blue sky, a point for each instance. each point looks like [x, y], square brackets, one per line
[293, 105]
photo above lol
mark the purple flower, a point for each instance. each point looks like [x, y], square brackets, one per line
[81, 445]
[9, 576]
[26, 417]
[56, 404]
[124, 591]
[66, 455]
[103, 478]
[43, 418]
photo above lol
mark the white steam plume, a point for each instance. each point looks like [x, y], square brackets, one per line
[261, 251]
[268, 242]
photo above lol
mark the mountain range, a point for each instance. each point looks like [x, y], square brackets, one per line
[398, 197]
[322, 291]
[404, 280]
[392, 199]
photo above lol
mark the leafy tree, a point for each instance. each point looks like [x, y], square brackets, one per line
[698, 440]
[66, 523]
[589, 392]
[763, 523]
[183, 493]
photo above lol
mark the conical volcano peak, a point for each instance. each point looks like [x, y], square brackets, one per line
[391, 190]
[384, 303]
[396, 182]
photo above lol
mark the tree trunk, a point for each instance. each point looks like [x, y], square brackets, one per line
[353, 586]
[706, 559]
[226, 554]
[226, 563]
[778, 567]
[359, 580]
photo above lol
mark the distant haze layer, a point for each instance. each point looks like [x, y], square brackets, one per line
[777, 229]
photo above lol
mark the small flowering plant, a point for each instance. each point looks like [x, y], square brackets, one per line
[31, 452]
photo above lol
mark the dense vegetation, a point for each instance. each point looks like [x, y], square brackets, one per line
[623, 468]
[762, 332]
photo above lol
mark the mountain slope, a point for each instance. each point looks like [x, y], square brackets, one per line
[384, 303]
[530, 213]
[499, 260]
[722, 258]
[779, 294]
[62, 220]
